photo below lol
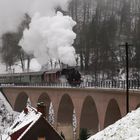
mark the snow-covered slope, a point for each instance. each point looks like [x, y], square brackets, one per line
[6, 114]
[127, 128]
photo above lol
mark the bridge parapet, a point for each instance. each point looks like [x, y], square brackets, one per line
[120, 84]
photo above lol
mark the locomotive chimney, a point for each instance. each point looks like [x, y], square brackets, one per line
[41, 107]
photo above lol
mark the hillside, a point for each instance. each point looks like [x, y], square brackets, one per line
[7, 115]
[127, 128]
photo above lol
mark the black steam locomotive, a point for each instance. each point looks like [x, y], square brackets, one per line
[72, 76]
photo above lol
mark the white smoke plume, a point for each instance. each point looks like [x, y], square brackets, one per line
[50, 35]
[50, 38]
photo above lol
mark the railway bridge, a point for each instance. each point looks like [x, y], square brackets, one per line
[95, 108]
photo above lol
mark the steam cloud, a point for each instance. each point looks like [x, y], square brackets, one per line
[50, 35]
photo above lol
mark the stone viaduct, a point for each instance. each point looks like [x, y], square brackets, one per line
[94, 108]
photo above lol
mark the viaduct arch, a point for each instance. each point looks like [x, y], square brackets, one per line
[20, 101]
[112, 113]
[46, 99]
[65, 116]
[94, 108]
[89, 117]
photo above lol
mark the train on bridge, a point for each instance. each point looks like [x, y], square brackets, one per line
[70, 75]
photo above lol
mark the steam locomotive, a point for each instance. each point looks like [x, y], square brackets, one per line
[71, 76]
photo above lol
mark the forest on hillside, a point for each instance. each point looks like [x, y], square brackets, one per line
[102, 27]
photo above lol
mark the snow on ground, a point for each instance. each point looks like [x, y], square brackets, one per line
[34, 66]
[127, 128]
[6, 114]
[4, 101]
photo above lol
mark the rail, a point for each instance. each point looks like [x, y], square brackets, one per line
[133, 84]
